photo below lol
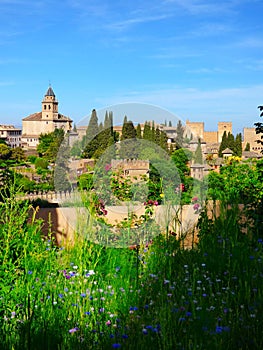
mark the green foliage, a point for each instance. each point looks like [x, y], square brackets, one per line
[18, 154]
[85, 181]
[179, 135]
[198, 156]
[229, 141]
[138, 131]
[41, 163]
[181, 158]
[5, 151]
[32, 159]
[49, 144]
[91, 297]
[128, 131]
[247, 148]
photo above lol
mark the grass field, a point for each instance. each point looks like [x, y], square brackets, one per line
[155, 296]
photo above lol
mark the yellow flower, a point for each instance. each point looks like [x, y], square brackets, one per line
[162, 195]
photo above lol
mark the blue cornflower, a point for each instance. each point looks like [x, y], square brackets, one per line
[30, 272]
[60, 295]
[87, 313]
[116, 346]
[133, 308]
[83, 295]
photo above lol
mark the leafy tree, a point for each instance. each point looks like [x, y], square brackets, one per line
[170, 123]
[5, 151]
[181, 158]
[18, 154]
[49, 144]
[41, 163]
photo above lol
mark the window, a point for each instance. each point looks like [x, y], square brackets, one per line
[45, 107]
[46, 122]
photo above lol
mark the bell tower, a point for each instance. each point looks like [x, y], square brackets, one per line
[49, 105]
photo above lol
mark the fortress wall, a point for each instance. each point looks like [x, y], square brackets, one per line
[210, 136]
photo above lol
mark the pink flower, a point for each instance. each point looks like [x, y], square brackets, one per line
[196, 206]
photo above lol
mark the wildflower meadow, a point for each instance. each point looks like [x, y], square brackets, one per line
[150, 296]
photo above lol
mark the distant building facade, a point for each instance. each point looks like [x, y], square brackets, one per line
[251, 137]
[44, 122]
[11, 135]
[198, 131]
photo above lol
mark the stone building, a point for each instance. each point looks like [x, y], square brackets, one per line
[44, 122]
[11, 135]
[198, 131]
[131, 167]
[251, 137]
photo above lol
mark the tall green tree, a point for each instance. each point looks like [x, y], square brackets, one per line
[139, 131]
[223, 144]
[247, 148]
[128, 147]
[93, 127]
[231, 142]
[163, 141]
[238, 145]
[91, 142]
[179, 139]
[147, 134]
[198, 156]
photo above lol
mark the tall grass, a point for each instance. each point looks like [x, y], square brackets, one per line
[158, 296]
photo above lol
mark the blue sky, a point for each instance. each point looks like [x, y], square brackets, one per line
[200, 60]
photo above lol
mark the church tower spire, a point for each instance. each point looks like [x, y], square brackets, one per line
[49, 105]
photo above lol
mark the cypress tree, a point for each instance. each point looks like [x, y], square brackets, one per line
[238, 145]
[157, 136]
[198, 156]
[128, 131]
[163, 140]
[93, 128]
[223, 144]
[247, 148]
[138, 131]
[153, 132]
[231, 142]
[92, 135]
[147, 134]
[128, 147]
[179, 135]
